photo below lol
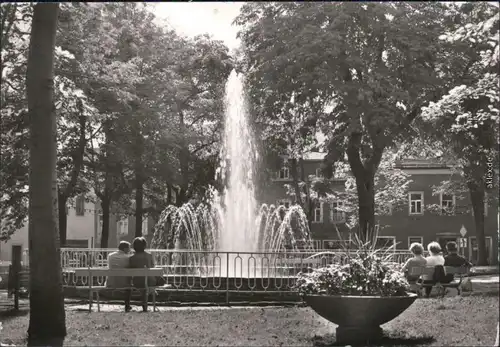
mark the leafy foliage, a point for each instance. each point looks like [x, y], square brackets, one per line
[16, 19]
[365, 271]
[361, 71]
[464, 119]
[121, 83]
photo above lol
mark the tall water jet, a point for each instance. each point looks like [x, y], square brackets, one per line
[232, 221]
[238, 229]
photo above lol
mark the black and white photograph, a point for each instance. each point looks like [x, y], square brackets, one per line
[188, 173]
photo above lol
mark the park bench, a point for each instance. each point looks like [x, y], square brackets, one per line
[92, 272]
[459, 273]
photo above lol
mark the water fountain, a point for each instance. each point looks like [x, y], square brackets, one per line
[232, 221]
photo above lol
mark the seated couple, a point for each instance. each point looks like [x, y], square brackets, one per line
[434, 259]
[123, 258]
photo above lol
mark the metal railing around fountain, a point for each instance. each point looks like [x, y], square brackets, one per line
[96, 257]
[223, 275]
[187, 270]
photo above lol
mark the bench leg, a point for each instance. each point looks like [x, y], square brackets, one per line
[441, 291]
[98, 301]
[154, 301]
[91, 297]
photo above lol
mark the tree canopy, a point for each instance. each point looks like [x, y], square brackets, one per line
[139, 109]
[360, 72]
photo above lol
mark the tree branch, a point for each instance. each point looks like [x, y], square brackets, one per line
[203, 146]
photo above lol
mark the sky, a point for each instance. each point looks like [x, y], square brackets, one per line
[194, 18]
[215, 18]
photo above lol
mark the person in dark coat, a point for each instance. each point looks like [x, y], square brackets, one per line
[453, 259]
[142, 259]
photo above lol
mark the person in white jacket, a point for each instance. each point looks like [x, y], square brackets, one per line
[435, 258]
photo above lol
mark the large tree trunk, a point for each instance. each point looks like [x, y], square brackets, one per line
[364, 173]
[106, 196]
[63, 218]
[47, 326]
[294, 171]
[298, 175]
[139, 197]
[105, 207]
[308, 204]
[477, 196]
[366, 199]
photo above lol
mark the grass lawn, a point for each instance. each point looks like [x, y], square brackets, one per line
[455, 321]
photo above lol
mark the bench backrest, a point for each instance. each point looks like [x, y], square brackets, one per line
[429, 270]
[127, 272]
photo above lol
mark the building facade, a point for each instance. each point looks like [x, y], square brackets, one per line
[84, 226]
[80, 229]
[410, 222]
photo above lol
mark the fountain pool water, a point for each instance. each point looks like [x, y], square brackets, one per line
[232, 221]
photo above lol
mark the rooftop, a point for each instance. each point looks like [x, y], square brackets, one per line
[411, 163]
[314, 156]
[404, 163]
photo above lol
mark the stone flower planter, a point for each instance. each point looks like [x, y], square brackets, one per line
[359, 317]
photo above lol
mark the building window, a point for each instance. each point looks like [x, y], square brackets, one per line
[80, 205]
[319, 172]
[337, 215]
[415, 239]
[385, 242]
[447, 203]
[101, 221]
[284, 202]
[416, 202]
[318, 213]
[145, 226]
[284, 173]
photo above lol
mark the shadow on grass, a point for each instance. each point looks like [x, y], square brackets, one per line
[490, 293]
[386, 341]
[8, 314]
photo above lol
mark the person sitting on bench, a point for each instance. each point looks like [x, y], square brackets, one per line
[418, 260]
[142, 259]
[120, 260]
[454, 260]
[434, 259]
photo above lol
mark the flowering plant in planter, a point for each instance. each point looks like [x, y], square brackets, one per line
[365, 274]
[366, 271]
